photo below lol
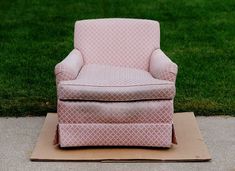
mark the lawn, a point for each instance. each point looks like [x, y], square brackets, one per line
[198, 35]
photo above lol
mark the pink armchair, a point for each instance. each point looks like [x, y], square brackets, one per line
[116, 88]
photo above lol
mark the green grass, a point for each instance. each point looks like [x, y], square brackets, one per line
[198, 35]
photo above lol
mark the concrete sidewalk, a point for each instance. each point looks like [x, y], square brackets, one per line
[18, 137]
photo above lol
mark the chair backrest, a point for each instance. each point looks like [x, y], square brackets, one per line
[118, 42]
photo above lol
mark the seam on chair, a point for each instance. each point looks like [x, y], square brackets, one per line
[64, 99]
[172, 73]
[115, 86]
[115, 124]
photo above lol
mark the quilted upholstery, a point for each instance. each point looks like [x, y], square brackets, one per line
[118, 42]
[161, 67]
[108, 83]
[142, 134]
[158, 111]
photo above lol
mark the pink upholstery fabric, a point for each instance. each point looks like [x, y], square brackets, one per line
[116, 88]
[159, 111]
[118, 42]
[108, 83]
[69, 68]
[161, 67]
[152, 135]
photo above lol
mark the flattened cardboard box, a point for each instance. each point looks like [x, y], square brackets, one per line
[190, 147]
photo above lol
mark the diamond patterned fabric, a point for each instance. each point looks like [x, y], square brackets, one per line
[152, 135]
[116, 88]
[109, 83]
[161, 67]
[69, 68]
[160, 111]
[118, 42]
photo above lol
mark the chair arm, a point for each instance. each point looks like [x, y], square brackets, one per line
[161, 67]
[69, 68]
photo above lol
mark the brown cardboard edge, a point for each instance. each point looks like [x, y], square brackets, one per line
[131, 160]
[123, 160]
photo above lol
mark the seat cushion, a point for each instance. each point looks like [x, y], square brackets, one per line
[109, 83]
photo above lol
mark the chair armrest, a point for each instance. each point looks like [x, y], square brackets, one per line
[161, 67]
[69, 68]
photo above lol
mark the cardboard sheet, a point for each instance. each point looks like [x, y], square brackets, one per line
[190, 147]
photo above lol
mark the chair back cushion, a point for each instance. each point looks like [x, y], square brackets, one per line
[117, 42]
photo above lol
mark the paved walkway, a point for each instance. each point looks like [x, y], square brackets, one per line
[18, 137]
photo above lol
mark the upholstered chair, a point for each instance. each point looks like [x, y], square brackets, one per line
[116, 87]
